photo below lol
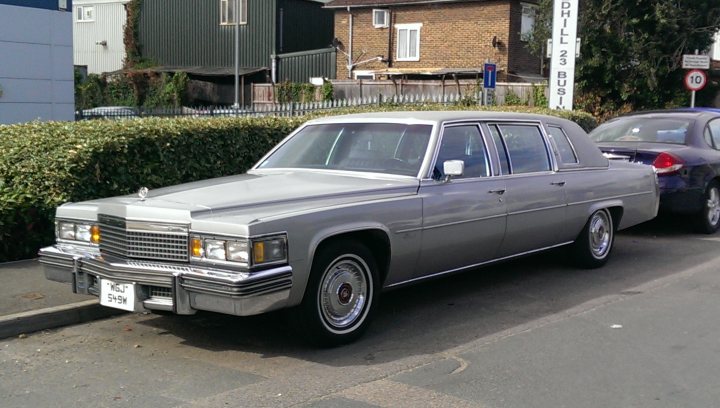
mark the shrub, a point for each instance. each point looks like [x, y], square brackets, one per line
[44, 164]
[513, 99]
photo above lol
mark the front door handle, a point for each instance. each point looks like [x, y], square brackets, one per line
[558, 183]
[499, 191]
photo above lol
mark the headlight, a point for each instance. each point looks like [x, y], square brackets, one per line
[238, 251]
[252, 252]
[78, 231]
[215, 249]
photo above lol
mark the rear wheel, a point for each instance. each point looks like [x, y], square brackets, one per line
[592, 247]
[341, 294]
[708, 220]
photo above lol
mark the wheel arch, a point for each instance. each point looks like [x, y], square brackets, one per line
[375, 238]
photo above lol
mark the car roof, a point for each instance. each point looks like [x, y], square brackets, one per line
[686, 113]
[439, 116]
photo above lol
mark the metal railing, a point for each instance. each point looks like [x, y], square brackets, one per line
[273, 109]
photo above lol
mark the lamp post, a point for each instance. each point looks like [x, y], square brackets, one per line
[236, 20]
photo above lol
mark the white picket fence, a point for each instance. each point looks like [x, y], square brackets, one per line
[302, 108]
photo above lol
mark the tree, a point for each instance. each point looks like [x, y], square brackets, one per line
[632, 49]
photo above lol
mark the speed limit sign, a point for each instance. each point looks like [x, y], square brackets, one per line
[695, 80]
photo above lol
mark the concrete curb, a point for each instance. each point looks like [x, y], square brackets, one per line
[53, 317]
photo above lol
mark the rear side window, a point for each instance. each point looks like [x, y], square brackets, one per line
[562, 143]
[642, 129]
[714, 127]
[526, 148]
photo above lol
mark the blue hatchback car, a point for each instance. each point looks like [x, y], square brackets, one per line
[684, 147]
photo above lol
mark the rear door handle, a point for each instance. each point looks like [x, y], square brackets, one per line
[499, 191]
[558, 183]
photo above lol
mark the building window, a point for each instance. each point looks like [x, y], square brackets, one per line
[85, 13]
[364, 75]
[228, 14]
[380, 18]
[528, 20]
[408, 42]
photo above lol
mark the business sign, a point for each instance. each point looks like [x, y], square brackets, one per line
[695, 80]
[489, 76]
[692, 61]
[562, 62]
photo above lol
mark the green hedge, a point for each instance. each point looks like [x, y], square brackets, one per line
[44, 164]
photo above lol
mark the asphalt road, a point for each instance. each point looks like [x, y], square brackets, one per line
[640, 332]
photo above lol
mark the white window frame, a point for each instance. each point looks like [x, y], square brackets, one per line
[85, 14]
[225, 10]
[362, 73]
[386, 16]
[408, 28]
[527, 20]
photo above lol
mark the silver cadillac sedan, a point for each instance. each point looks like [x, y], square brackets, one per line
[347, 206]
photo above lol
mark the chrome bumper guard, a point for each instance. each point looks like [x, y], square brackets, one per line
[179, 288]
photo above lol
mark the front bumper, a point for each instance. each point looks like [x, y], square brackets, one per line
[178, 288]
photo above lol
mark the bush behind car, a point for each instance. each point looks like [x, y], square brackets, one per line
[44, 164]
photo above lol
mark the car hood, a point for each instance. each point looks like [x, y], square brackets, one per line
[258, 193]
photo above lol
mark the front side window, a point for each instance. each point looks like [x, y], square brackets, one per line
[85, 13]
[391, 148]
[463, 143]
[526, 148]
[229, 13]
[408, 42]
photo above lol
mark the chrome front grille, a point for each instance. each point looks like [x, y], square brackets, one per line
[143, 240]
[160, 292]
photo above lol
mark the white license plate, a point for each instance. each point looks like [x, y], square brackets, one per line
[117, 295]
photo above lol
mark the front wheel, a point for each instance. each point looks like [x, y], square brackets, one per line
[341, 294]
[592, 247]
[708, 220]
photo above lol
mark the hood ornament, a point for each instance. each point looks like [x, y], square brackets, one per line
[142, 193]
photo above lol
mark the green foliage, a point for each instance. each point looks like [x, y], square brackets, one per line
[91, 92]
[632, 50]
[513, 99]
[131, 34]
[131, 89]
[119, 91]
[44, 164]
[166, 90]
[539, 98]
[327, 91]
[295, 92]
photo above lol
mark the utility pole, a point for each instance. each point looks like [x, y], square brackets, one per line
[236, 20]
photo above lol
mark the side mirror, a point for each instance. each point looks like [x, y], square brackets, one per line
[453, 168]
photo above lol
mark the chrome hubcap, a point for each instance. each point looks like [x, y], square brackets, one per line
[713, 206]
[344, 292]
[600, 234]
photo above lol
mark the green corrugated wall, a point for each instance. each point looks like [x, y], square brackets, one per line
[188, 33]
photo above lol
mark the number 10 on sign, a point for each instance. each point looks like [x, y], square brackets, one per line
[695, 80]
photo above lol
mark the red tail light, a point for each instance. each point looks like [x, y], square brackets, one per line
[666, 163]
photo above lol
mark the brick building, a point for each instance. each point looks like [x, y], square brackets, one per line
[430, 38]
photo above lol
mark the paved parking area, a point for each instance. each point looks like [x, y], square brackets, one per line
[536, 332]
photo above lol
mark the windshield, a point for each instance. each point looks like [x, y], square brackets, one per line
[369, 147]
[643, 129]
